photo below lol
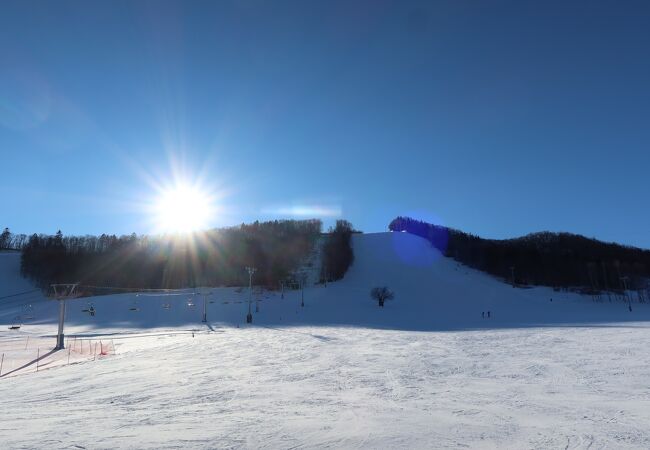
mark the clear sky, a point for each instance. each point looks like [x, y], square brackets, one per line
[498, 118]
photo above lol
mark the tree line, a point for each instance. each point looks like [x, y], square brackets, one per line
[337, 251]
[546, 258]
[212, 258]
[11, 241]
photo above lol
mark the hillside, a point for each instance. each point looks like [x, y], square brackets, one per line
[433, 292]
[560, 260]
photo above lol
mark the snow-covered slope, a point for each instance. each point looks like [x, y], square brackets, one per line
[432, 293]
[339, 372]
[16, 293]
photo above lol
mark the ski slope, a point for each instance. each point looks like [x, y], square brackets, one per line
[426, 371]
[433, 293]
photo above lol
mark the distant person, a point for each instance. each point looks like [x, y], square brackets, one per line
[488, 314]
[92, 310]
[483, 314]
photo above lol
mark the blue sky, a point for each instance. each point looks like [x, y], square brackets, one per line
[498, 118]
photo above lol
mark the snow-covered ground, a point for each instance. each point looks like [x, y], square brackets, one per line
[426, 371]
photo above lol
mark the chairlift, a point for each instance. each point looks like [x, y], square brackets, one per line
[16, 324]
[190, 303]
[28, 312]
[166, 305]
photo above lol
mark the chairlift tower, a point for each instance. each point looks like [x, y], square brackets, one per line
[205, 306]
[251, 271]
[629, 300]
[61, 293]
[303, 278]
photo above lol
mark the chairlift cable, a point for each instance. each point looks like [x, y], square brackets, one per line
[19, 293]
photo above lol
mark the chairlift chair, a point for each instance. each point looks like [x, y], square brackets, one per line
[16, 324]
[28, 312]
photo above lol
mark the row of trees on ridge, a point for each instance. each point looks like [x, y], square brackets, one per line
[545, 258]
[211, 258]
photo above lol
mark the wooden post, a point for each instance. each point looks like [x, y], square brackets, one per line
[38, 355]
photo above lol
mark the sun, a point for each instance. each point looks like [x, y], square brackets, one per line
[183, 208]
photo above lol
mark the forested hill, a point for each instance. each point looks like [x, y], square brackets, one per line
[211, 258]
[546, 258]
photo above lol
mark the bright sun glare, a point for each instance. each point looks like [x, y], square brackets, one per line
[183, 209]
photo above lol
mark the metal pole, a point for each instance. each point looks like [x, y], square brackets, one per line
[249, 316]
[60, 336]
[205, 309]
[303, 280]
[629, 300]
[250, 294]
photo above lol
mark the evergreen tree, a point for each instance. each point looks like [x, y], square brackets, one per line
[5, 239]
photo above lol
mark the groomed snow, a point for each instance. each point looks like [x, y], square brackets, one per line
[425, 372]
[344, 388]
